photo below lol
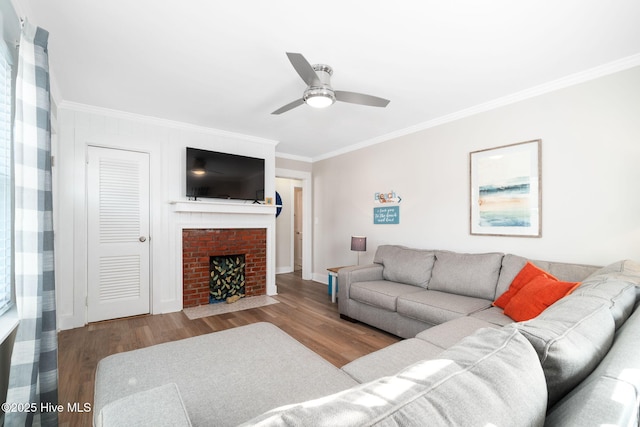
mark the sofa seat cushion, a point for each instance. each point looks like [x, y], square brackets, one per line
[447, 334]
[474, 275]
[571, 337]
[618, 363]
[436, 307]
[391, 360]
[603, 402]
[479, 382]
[259, 362]
[405, 265]
[493, 315]
[381, 293]
[158, 406]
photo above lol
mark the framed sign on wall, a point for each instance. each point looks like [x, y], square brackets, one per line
[506, 190]
[386, 208]
[386, 215]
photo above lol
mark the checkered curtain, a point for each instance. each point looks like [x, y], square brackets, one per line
[34, 361]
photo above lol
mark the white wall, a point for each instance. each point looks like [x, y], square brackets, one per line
[165, 141]
[590, 180]
[590, 185]
[297, 165]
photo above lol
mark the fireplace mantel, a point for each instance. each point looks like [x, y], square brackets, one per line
[223, 207]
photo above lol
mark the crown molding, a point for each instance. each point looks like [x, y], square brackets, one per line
[149, 120]
[554, 85]
[294, 157]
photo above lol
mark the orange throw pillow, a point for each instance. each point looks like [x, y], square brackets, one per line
[536, 296]
[528, 273]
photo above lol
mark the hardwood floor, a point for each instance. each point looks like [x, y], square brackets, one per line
[305, 312]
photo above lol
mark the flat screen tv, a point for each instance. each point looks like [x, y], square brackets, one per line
[211, 174]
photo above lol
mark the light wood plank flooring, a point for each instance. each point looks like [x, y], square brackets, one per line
[305, 312]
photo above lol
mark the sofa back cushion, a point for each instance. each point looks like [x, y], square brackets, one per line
[571, 337]
[565, 271]
[626, 270]
[609, 395]
[405, 265]
[512, 264]
[498, 368]
[473, 275]
[536, 296]
[619, 295]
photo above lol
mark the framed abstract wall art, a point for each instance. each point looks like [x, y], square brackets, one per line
[506, 190]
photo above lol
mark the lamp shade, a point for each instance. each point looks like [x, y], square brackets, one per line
[358, 243]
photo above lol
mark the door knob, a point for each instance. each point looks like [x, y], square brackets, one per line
[142, 239]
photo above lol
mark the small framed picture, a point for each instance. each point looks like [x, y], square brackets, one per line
[506, 190]
[268, 201]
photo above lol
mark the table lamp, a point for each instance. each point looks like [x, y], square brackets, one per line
[358, 244]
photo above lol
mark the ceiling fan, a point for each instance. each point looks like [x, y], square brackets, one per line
[319, 93]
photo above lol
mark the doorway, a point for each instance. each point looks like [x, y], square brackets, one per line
[118, 233]
[303, 182]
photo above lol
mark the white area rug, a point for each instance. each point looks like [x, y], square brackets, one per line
[245, 303]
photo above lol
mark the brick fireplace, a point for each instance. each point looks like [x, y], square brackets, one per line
[199, 245]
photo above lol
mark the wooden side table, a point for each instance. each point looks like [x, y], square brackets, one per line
[333, 284]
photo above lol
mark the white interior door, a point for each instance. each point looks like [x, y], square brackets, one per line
[118, 221]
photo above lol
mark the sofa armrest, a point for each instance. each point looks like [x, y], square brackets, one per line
[357, 273]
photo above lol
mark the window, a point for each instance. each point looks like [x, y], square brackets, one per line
[6, 186]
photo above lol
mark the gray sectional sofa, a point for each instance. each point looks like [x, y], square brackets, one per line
[406, 291]
[463, 363]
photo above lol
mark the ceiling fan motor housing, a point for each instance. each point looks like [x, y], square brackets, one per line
[321, 95]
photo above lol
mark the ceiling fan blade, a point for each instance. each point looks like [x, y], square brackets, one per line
[289, 106]
[360, 98]
[304, 69]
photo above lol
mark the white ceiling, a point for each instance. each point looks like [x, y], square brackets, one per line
[222, 64]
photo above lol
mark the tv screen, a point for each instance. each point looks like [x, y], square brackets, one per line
[211, 174]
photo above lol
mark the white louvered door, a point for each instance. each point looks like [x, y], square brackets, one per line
[118, 222]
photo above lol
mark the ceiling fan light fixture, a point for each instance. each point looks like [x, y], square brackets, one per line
[198, 167]
[319, 98]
